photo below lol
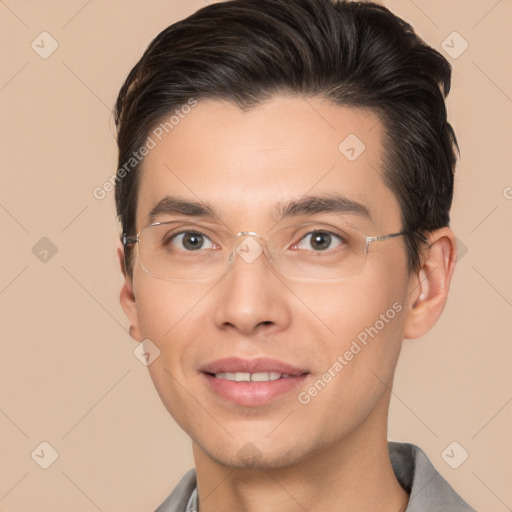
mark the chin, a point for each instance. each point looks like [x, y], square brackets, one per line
[254, 456]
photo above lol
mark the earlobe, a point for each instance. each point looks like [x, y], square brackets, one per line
[127, 297]
[428, 289]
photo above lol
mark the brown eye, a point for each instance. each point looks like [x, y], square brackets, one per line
[319, 241]
[191, 241]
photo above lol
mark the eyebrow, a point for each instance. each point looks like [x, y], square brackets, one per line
[176, 205]
[309, 205]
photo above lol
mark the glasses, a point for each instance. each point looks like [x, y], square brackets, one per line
[185, 250]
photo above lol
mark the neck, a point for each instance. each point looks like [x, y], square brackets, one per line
[353, 474]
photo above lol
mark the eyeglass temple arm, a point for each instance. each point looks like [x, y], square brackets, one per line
[370, 239]
[128, 240]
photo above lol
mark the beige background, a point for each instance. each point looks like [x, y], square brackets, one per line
[68, 375]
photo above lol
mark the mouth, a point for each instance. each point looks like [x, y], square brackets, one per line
[252, 382]
[251, 377]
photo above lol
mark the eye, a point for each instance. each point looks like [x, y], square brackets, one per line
[319, 241]
[191, 241]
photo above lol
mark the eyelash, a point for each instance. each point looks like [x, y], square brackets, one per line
[322, 232]
[340, 238]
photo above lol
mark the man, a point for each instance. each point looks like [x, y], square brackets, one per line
[284, 186]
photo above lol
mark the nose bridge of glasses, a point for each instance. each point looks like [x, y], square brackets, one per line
[247, 246]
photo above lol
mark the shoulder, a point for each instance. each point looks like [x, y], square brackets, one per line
[178, 500]
[428, 489]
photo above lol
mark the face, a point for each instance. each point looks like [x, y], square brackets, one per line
[338, 340]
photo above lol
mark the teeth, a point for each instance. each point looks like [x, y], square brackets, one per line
[248, 377]
[264, 376]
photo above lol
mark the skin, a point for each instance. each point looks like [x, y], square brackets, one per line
[330, 454]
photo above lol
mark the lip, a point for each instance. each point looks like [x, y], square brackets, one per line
[252, 394]
[260, 364]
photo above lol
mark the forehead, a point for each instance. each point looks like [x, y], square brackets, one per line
[245, 163]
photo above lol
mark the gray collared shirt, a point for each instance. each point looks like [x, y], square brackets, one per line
[429, 491]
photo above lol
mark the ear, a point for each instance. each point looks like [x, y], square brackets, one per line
[428, 288]
[127, 297]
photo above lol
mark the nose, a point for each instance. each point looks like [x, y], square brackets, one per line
[252, 299]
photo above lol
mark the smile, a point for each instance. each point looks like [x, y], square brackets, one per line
[252, 382]
[251, 377]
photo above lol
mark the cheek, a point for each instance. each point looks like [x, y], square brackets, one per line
[173, 316]
[359, 358]
[363, 321]
[163, 305]
[346, 309]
